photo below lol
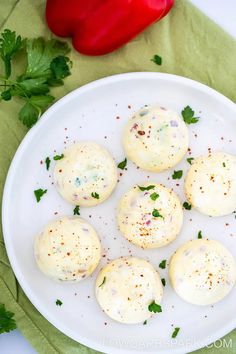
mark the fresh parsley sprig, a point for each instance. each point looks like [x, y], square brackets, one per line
[47, 66]
[7, 322]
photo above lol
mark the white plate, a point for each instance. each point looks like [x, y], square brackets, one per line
[99, 111]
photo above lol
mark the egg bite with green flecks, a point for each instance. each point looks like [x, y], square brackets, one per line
[150, 215]
[155, 138]
[129, 290]
[67, 249]
[202, 271]
[86, 175]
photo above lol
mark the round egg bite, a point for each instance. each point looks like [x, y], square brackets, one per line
[126, 287]
[150, 215]
[155, 138]
[210, 184]
[86, 175]
[67, 249]
[202, 271]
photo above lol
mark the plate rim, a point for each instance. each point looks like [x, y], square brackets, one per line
[7, 187]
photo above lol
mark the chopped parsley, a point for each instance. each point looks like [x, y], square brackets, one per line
[58, 157]
[224, 165]
[177, 174]
[162, 265]
[146, 188]
[187, 206]
[59, 302]
[103, 282]
[122, 164]
[39, 193]
[199, 235]
[188, 115]
[145, 322]
[153, 307]
[77, 210]
[154, 196]
[190, 159]
[157, 59]
[7, 322]
[47, 162]
[156, 214]
[175, 333]
[163, 281]
[95, 195]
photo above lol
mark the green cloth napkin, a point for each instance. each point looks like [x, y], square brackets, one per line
[190, 45]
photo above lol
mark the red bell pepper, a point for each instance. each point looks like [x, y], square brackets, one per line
[101, 26]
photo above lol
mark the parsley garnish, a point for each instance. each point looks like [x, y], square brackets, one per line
[187, 206]
[95, 195]
[224, 165]
[154, 196]
[175, 333]
[58, 157]
[77, 210]
[145, 322]
[7, 322]
[157, 59]
[103, 282]
[199, 235]
[122, 164]
[156, 214]
[59, 302]
[47, 162]
[39, 193]
[46, 66]
[162, 265]
[177, 174]
[188, 115]
[146, 188]
[153, 307]
[163, 281]
[190, 159]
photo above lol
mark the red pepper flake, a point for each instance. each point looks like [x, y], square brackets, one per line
[226, 224]
[62, 243]
[129, 106]
[121, 174]
[60, 170]
[68, 253]
[117, 117]
[41, 162]
[49, 254]
[141, 132]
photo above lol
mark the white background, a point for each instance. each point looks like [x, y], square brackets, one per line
[222, 12]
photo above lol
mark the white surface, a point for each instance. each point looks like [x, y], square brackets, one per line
[87, 109]
[222, 12]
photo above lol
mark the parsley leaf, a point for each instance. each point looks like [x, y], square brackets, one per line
[58, 157]
[177, 174]
[60, 67]
[153, 307]
[199, 235]
[188, 115]
[7, 322]
[39, 193]
[122, 164]
[77, 210]
[146, 188]
[224, 165]
[59, 302]
[157, 59]
[95, 195]
[162, 265]
[163, 281]
[156, 214]
[190, 159]
[175, 333]
[103, 282]
[154, 196]
[187, 206]
[10, 44]
[47, 162]
[145, 322]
